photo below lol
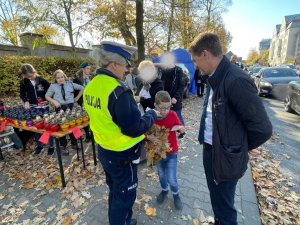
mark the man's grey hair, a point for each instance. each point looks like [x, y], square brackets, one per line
[105, 57]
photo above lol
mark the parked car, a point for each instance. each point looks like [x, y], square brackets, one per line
[274, 81]
[292, 67]
[254, 71]
[292, 100]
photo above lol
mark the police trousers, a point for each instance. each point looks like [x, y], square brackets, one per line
[122, 180]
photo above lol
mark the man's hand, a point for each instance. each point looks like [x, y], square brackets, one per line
[173, 101]
[255, 151]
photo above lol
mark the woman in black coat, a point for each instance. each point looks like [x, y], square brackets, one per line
[151, 84]
[33, 89]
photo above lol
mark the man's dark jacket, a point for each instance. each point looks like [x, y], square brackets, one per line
[240, 122]
[174, 84]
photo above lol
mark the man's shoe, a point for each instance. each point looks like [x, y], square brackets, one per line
[177, 202]
[133, 222]
[50, 150]
[38, 150]
[161, 197]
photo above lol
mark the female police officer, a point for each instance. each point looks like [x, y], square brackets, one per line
[118, 128]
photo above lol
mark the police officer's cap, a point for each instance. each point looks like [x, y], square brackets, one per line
[123, 50]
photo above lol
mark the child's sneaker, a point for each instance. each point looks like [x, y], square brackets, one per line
[177, 202]
[38, 149]
[50, 150]
[161, 197]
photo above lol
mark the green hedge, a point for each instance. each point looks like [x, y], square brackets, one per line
[45, 66]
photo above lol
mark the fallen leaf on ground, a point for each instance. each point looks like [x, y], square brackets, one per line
[150, 211]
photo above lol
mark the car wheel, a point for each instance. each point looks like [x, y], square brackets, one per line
[287, 104]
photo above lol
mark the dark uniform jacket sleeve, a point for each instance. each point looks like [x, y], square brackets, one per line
[250, 109]
[127, 116]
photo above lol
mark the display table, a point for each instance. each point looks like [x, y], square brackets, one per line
[58, 135]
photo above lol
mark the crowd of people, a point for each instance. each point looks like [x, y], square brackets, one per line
[124, 102]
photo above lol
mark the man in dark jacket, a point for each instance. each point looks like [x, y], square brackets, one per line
[174, 84]
[233, 122]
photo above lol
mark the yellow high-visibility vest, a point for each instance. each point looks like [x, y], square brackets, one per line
[106, 133]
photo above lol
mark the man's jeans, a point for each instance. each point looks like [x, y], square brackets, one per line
[221, 194]
[166, 169]
[179, 114]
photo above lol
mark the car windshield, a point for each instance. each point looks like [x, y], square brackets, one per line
[280, 72]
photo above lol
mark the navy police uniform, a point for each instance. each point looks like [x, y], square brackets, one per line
[118, 129]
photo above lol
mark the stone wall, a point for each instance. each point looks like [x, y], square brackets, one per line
[13, 50]
[32, 45]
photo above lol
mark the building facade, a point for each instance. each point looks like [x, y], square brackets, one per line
[285, 44]
[264, 45]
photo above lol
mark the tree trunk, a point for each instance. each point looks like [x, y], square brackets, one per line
[67, 7]
[171, 20]
[139, 30]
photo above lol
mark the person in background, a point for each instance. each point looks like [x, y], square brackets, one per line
[151, 84]
[61, 95]
[33, 88]
[233, 122]
[172, 77]
[200, 81]
[167, 167]
[83, 77]
[233, 59]
[118, 128]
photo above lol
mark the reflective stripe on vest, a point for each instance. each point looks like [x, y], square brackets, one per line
[106, 133]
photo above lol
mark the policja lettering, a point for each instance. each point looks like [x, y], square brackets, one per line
[93, 101]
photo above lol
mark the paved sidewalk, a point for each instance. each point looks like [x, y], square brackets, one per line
[89, 204]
